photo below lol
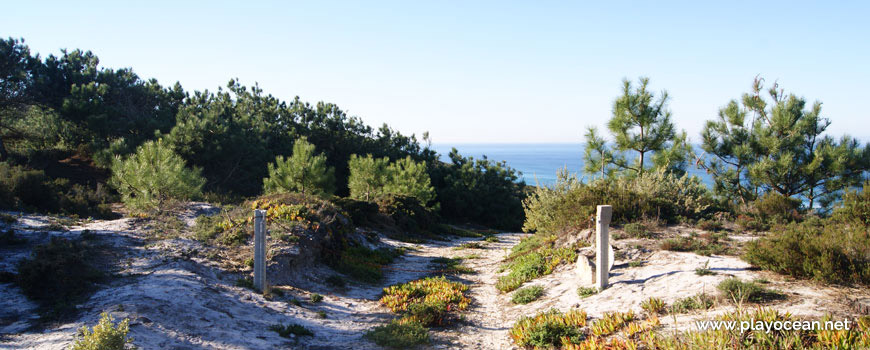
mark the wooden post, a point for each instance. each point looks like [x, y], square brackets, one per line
[602, 246]
[259, 249]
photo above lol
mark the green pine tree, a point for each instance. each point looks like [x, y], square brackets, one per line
[596, 156]
[303, 172]
[154, 175]
[410, 178]
[368, 177]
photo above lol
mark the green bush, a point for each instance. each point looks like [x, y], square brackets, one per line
[585, 292]
[636, 230]
[294, 329]
[152, 176]
[527, 295]
[105, 335]
[709, 225]
[363, 264]
[303, 172]
[697, 302]
[399, 335]
[569, 206]
[826, 250]
[58, 275]
[408, 215]
[316, 298]
[22, 188]
[770, 209]
[549, 330]
[206, 227]
[855, 208]
[371, 178]
[741, 291]
[532, 260]
[705, 244]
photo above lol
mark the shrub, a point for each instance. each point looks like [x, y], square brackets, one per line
[636, 230]
[479, 190]
[569, 206]
[696, 302]
[316, 298]
[705, 244]
[152, 176]
[740, 291]
[770, 209]
[294, 329]
[855, 207]
[303, 172]
[709, 225]
[491, 239]
[533, 257]
[527, 295]
[551, 329]
[451, 265]
[408, 214]
[363, 264]
[585, 292]
[399, 335]
[704, 270]
[826, 250]
[206, 227]
[30, 189]
[58, 274]
[427, 301]
[653, 306]
[105, 335]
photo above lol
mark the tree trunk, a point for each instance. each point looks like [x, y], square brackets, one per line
[640, 166]
[3, 153]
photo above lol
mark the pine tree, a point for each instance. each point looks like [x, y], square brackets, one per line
[640, 123]
[596, 156]
[303, 172]
[368, 177]
[154, 175]
[410, 178]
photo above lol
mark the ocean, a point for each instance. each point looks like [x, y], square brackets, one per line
[537, 162]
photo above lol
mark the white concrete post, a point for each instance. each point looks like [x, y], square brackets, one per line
[602, 246]
[259, 249]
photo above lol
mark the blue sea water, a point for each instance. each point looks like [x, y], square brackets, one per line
[537, 162]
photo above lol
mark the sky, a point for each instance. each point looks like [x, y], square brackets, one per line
[478, 71]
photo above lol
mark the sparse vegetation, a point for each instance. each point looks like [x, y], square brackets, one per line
[534, 256]
[585, 292]
[653, 306]
[741, 291]
[399, 335]
[316, 298]
[704, 270]
[696, 302]
[427, 301]
[527, 295]
[451, 265]
[294, 329]
[705, 244]
[105, 335]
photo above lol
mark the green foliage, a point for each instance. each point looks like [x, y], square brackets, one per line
[58, 275]
[551, 329]
[527, 295]
[569, 206]
[642, 124]
[709, 225]
[479, 191]
[303, 172]
[782, 149]
[741, 291]
[206, 227]
[826, 250]
[105, 335]
[368, 177]
[596, 156]
[533, 257]
[399, 335]
[855, 207]
[408, 215]
[23, 188]
[316, 298]
[450, 265]
[704, 244]
[428, 301]
[704, 270]
[636, 230]
[696, 302]
[154, 175]
[336, 281]
[294, 329]
[363, 264]
[585, 292]
[653, 306]
[371, 179]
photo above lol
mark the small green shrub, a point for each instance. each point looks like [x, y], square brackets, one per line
[363, 264]
[316, 298]
[429, 301]
[636, 230]
[585, 292]
[704, 270]
[321, 314]
[549, 330]
[741, 291]
[709, 225]
[153, 176]
[635, 263]
[697, 302]
[105, 335]
[336, 281]
[207, 228]
[527, 295]
[58, 275]
[705, 244]
[533, 257]
[491, 239]
[399, 335]
[294, 329]
[826, 250]
[450, 265]
[653, 306]
[302, 172]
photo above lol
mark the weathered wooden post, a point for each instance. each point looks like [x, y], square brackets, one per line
[602, 246]
[259, 249]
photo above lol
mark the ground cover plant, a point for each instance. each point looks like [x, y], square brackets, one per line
[105, 335]
[533, 257]
[527, 295]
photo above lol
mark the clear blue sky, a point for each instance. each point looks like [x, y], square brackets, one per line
[475, 71]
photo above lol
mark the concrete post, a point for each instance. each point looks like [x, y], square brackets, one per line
[259, 249]
[602, 246]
